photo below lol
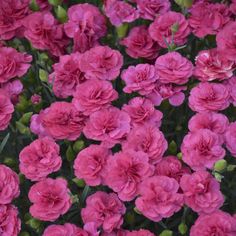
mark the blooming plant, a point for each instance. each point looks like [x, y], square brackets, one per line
[117, 117]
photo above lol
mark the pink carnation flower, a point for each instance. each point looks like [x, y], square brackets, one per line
[173, 68]
[101, 62]
[141, 232]
[125, 171]
[208, 18]
[90, 164]
[105, 210]
[10, 224]
[148, 139]
[217, 223]
[150, 9]
[142, 110]
[231, 84]
[119, 12]
[39, 159]
[161, 29]
[201, 149]
[207, 97]
[212, 65]
[230, 138]
[13, 64]
[44, 33]
[108, 125]
[140, 78]
[50, 198]
[94, 95]
[9, 185]
[63, 121]
[201, 192]
[232, 7]
[67, 75]
[139, 44]
[159, 198]
[86, 25]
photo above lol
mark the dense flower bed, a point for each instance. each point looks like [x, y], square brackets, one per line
[117, 118]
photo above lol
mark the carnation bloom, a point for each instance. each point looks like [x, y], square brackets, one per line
[225, 40]
[10, 224]
[140, 78]
[94, 95]
[230, 138]
[170, 166]
[50, 198]
[141, 232]
[201, 192]
[208, 18]
[125, 171]
[63, 121]
[159, 198]
[217, 223]
[109, 125]
[173, 68]
[142, 110]
[13, 64]
[101, 62]
[9, 185]
[231, 84]
[161, 30]
[232, 7]
[212, 65]
[67, 75]
[119, 12]
[90, 164]
[40, 158]
[6, 110]
[105, 210]
[44, 32]
[36, 99]
[148, 139]
[86, 25]
[150, 9]
[209, 97]
[12, 13]
[139, 43]
[201, 149]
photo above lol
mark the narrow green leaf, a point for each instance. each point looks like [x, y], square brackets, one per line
[4, 142]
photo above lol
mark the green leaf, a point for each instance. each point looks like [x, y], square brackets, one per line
[4, 142]
[85, 193]
[25, 119]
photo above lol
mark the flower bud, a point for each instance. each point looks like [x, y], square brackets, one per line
[43, 75]
[61, 14]
[184, 3]
[172, 147]
[79, 182]
[166, 233]
[25, 119]
[220, 165]
[70, 155]
[34, 6]
[122, 30]
[183, 228]
[78, 146]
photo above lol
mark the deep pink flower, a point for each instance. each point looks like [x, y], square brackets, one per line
[141, 232]
[218, 223]
[10, 224]
[13, 64]
[119, 12]
[6, 110]
[12, 13]
[161, 29]
[149, 139]
[201, 149]
[9, 185]
[208, 18]
[105, 210]
[142, 110]
[150, 9]
[63, 121]
[35, 99]
[67, 75]
[231, 84]
[212, 65]
[159, 198]
[94, 95]
[125, 171]
[44, 32]
[109, 125]
[173, 68]
[43, 5]
[101, 62]
[90, 164]
[209, 97]
[86, 25]
[39, 159]
[170, 166]
[140, 78]
[230, 138]
[50, 198]
[201, 192]
[232, 7]
[139, 43]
